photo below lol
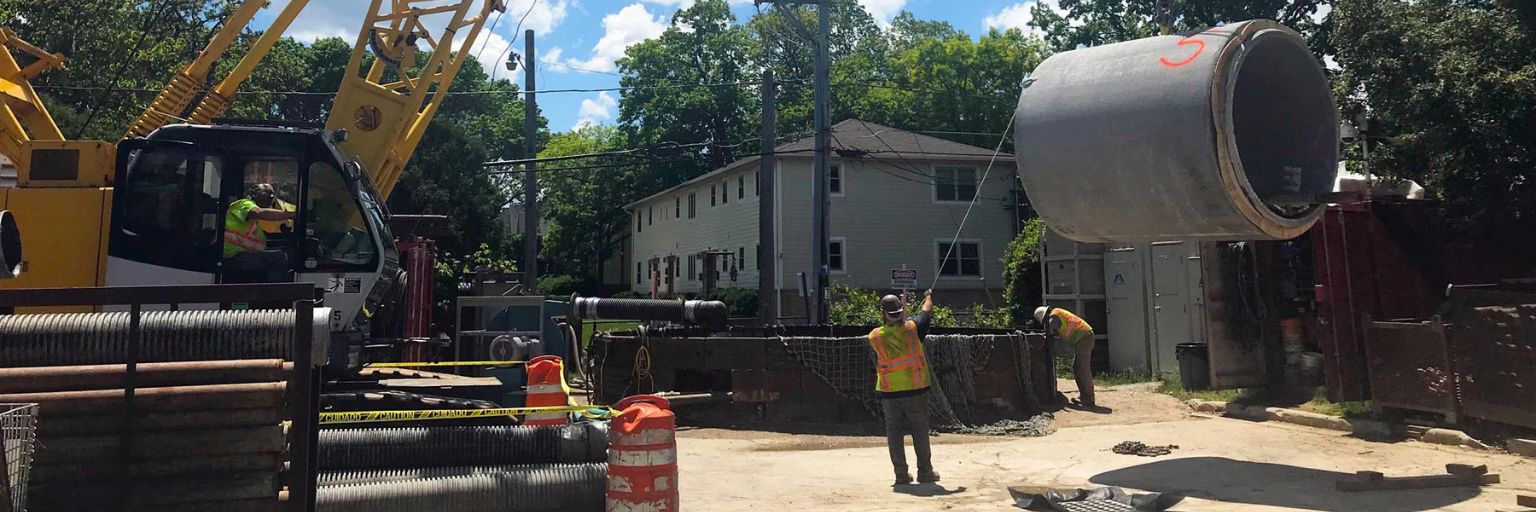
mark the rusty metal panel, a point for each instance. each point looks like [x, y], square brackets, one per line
[1495, 358]
[1409, 366]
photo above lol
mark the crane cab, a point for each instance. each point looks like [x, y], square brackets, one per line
[174, 191]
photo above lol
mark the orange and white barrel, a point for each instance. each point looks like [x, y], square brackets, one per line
[642, 456]
[546, 388]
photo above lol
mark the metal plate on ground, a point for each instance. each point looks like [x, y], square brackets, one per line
[1094, 506]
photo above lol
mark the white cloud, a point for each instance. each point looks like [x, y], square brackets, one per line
[543, 19]
[491, 51]
[680, 4]
[1016, 16]
[630, 25]
[883, 10]
[595, 111]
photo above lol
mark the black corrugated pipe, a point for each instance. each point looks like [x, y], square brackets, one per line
[555, 488]
[418, 447]
[375, 476]
[63, 339]
[711, 314]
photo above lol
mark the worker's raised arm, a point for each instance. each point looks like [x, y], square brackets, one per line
[928, 301]
[260, 213]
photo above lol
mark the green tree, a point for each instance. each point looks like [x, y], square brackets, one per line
[703, 45]
[1097, 22]
[1450, 90]
[584, 206]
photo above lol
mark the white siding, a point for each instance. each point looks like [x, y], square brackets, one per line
[887, 216]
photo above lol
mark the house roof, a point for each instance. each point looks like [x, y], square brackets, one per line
[860, 137]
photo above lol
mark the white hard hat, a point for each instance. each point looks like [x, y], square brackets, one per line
[1040, 314]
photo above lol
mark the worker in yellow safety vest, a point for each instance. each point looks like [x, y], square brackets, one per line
[901, 381]
[245, 245]
[1077, 334]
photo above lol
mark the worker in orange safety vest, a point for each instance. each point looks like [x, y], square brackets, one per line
[901, 381]
[1077, 334]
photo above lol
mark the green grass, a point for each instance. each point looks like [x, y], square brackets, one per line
[592, 328]
[1119, 378]
[1318, 403]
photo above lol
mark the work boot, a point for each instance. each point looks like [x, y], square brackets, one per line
[927, 477]
[903, 478]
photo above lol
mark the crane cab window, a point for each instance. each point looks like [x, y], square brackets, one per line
[168, 209]
[334, 222]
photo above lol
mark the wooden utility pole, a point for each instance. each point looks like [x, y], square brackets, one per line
[767, 253]
[530, 178]
[817, 289]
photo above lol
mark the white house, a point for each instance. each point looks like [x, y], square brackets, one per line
[897, 200]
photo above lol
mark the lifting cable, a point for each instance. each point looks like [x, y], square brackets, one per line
[974, 197]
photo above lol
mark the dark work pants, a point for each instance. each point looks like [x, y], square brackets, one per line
[905, 416]
[1082, 369]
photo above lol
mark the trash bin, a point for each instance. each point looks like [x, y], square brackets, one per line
[1194, 366]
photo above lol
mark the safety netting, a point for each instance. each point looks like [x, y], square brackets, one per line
[847, 364]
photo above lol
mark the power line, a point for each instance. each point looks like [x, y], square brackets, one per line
[516, 31]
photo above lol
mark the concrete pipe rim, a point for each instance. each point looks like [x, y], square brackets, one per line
[1228, 76]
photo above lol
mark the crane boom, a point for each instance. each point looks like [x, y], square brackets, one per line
[386, 117]
[172, 101]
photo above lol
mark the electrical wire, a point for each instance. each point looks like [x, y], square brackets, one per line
[516, 31]
[122, 65]
[968, 208]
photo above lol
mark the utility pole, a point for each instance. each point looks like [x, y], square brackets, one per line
[819, 192]
[530, 178]
[817, 290]
[767, 254]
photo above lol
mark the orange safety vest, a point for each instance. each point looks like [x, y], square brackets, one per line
[1073, 328]
[901, 365]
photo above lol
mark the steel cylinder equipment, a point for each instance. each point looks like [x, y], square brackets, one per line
[642, 456]
[1229, 133]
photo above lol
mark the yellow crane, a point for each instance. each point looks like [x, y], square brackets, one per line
[150, 209]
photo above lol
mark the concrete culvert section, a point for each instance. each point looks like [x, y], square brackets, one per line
[1224, 134]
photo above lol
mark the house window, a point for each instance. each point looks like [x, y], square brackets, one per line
[963, 260]
[639, 226]
[637, 272]
[692, 272]
[741, 186]
[711, 195]
[835, 254]
[650, 215]
[741, 257]
[835, 180]
[725, 191]
[756, 185]
[954, 183]
[677, 207]
[692, 203]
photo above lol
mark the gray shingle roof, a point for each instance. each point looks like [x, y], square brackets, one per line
[857, 135]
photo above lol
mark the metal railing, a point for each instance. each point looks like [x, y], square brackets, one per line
[303, 385]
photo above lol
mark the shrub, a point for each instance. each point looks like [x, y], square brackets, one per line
[854, 306]
[1023, 285]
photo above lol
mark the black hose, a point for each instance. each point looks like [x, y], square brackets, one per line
[417, 447]
[709, 313]
[375, 476]
[550, 488]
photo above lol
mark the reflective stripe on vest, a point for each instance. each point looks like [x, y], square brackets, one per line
[901, 364]
[247, 240]
[1073, 328]
[242, 235]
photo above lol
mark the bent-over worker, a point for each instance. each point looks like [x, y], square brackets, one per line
[1078, 335]
[901, 381]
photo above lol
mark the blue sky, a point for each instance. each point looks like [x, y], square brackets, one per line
[578, 40]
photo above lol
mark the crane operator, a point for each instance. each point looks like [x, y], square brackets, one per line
[245, 243]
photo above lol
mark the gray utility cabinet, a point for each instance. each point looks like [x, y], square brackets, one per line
[1161, 294]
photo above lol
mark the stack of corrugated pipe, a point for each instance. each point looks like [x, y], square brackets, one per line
[464, 468]
[208, 422]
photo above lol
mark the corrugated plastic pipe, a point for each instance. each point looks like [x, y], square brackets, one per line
[551, 488]
[417, 447]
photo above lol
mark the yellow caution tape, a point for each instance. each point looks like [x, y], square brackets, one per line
[445, 363]
[330, 418]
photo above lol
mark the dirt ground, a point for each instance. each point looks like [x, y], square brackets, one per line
[1222, 464]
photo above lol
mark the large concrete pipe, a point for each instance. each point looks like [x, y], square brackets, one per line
[1225, 134]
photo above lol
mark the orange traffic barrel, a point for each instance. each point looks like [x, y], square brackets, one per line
[546, 388]
[642, 456]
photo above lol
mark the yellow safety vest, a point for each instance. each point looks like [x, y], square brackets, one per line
[901, 365]
[241, 234]
[1073, 328]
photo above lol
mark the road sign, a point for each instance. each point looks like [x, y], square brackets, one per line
[903, 279]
